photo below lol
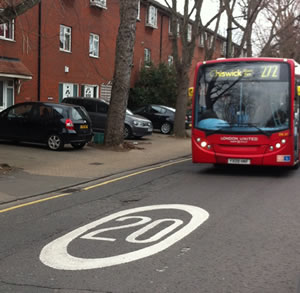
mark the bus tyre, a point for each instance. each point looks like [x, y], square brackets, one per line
[55, 142]
[165, 128]
[296, 166]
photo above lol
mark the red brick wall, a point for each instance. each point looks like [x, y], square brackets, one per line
[83, 69]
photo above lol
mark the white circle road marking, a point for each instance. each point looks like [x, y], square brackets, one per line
[55, 254]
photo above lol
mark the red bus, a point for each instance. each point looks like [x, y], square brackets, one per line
[246, 111]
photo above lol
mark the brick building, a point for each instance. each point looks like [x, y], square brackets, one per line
[66, 48]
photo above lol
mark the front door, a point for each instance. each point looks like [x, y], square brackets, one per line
[6, 93]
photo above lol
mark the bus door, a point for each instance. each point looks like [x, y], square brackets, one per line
[296, 121]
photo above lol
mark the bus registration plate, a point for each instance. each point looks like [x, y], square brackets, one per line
[239, 161]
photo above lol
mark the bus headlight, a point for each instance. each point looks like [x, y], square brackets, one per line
[203, 144]
[277, 145]
[271, 148]
[198, 139]
[283, 141]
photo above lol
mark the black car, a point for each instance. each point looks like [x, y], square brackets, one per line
[135, 126]
[162, 117]
[49, 123]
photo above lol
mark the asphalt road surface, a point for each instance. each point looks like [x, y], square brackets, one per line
[179, 228]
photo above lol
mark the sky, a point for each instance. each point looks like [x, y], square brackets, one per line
[209, 9]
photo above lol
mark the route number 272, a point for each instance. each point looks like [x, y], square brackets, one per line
[270, 71]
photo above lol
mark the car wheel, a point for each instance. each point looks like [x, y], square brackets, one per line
[166, 128]
[127, 132]
[55, 142]
[78, 145]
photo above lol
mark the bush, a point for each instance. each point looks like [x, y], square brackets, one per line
[156, 85]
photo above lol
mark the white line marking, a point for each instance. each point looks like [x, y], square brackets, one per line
[55, 254]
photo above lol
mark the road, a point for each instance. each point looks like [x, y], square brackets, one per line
[169, 228]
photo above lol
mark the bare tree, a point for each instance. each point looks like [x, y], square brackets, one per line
[12, 9]
[114, 132]
[283, 37]
[190, 28]
[210, 44]
[249, 10]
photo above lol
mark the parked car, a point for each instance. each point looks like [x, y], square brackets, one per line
[188, 118]
[135, 126]
[162, 117]
[49, 123]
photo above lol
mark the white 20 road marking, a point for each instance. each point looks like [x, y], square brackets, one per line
[55, 254]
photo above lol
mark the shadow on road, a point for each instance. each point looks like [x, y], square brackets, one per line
[255, 171]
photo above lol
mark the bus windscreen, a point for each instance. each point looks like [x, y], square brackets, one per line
[243, 97]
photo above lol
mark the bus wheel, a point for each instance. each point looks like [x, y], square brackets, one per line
[296, 166]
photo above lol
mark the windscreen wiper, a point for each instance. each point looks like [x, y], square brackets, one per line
[267, 133]
[211, 132]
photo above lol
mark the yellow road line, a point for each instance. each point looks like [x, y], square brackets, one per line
[94, 186]
[134, 174]
[33, 202]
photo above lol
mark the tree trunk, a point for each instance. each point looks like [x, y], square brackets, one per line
[114, 132]
[181, 101]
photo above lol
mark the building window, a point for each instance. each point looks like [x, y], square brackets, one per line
[65, 38]
[147, 56]
[189, 32]
[7, 30]
[139, 10]
[209, 39]
[152, 17]
[170, 29]
[66, 90]
[170, 60]
[106, 91]
[201, 40]
[223, 48]
[94, 45]
[90, 91]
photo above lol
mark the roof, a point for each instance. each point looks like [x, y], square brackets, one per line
[14, 68]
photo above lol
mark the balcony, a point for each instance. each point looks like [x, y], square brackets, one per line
[98, 3]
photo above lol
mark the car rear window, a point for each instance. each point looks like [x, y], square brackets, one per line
[78, 113]
[60, 112]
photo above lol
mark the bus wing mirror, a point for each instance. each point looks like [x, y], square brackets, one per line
[191, 91]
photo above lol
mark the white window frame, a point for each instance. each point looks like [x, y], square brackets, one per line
[6, 86]
[147, 56]
[201, 40]
[94, 45]
[152, 16]
[10, 28]
[98, 3]
[93, 88]
[208, 38]
[64, 32]
[170, 30]
[170, 60]
[223, 48]
[139, 11]
[189, 32]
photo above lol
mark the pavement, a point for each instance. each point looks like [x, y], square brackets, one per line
[37, 170]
